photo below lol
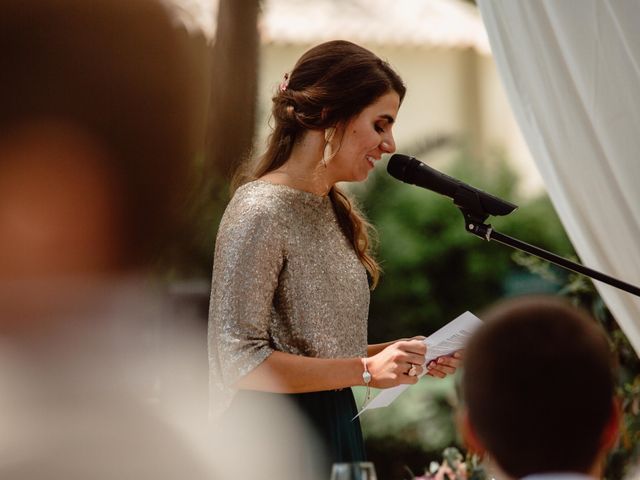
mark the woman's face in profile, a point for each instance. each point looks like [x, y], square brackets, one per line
[365, 138]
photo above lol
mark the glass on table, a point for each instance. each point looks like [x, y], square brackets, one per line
[353, 471]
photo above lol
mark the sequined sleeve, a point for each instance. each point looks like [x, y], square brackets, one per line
[247, 261]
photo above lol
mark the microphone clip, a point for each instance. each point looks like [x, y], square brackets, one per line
[469, 202]
[474, 222]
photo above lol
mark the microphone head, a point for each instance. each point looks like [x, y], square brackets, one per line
[397, 166]
[411, 170]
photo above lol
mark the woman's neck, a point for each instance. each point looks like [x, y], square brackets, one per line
[305, 169]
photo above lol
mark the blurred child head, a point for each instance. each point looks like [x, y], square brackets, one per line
[538, 388]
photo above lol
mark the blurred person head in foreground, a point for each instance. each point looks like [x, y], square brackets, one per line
[538, 390]
[95, 137]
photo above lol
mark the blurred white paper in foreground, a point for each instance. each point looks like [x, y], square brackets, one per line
[449, 339]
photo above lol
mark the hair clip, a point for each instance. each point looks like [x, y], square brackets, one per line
[285, 83]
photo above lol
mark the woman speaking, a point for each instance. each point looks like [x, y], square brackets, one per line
[293, 268]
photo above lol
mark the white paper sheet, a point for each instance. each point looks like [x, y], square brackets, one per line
[446, 341]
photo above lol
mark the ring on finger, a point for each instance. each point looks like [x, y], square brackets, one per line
[412, 371]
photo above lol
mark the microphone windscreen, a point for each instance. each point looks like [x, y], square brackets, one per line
[411, 170]
[397, 166]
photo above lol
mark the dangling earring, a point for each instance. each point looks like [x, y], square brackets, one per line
[328, 153]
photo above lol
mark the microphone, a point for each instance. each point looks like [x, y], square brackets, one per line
[469, 199]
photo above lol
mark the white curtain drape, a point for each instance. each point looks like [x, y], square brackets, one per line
[571, 69]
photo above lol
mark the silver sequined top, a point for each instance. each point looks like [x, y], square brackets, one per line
[284, 278]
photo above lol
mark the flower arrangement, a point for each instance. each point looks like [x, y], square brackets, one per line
[454, 466]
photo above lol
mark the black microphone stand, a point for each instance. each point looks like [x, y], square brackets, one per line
[474, 218]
